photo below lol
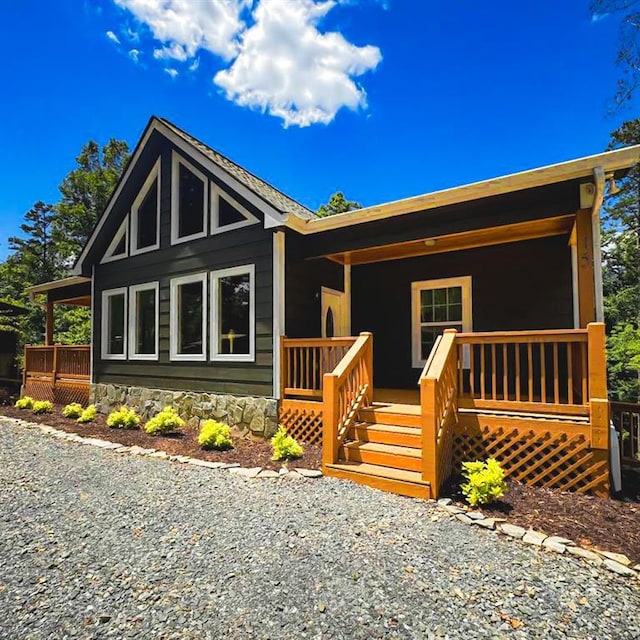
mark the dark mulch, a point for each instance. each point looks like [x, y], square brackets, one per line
[247, 451]
[610, 525]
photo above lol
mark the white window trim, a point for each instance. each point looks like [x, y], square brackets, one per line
[106, 294]
[215, 321]
[176, 161]
[173, 318]
[153, 175]
[123, 229]
[133, 312]
[217, 193]
[416, 288]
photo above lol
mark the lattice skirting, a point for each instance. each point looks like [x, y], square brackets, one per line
[62, 393]
[537, 456]
[302, 420]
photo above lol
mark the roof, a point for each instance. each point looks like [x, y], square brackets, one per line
[277, 199]
[9, 309]
[611, 162]
[56, 284]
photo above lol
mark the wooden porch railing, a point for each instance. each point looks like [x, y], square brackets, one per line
[68, 362]
[626, 418]
[348, 388]
[305, 361]
[438, 400]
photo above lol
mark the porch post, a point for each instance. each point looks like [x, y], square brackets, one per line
[586, 273]
[598, 402]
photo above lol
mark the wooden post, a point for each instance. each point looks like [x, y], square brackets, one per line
[586, 273]
[429, 430]
[24, 370]
[330, 419]
[54, 368]
[598, 402]
[368, 360]
[49, 320]
[284, 367]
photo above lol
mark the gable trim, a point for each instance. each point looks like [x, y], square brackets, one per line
[122, 230]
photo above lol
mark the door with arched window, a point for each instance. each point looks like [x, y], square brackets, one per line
[334, 313]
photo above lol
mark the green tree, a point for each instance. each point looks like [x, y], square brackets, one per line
[337, 204]
[85, 192]
[621, 275]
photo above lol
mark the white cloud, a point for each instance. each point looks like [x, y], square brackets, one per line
[174, 51]
[134, 54]
[172, 72]
[212, 25]
[291, 70]
[113, 37]
[194, 65]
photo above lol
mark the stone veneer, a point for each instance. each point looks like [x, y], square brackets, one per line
[257, 416]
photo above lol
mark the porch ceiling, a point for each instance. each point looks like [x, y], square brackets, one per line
[515, 232]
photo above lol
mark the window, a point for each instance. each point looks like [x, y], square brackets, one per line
[145, 214]
[437, 305]
[143, 321]
[114, 313]
[233, 314]
[189, 201]
[226, 213]
[119, 247]
[188, 319]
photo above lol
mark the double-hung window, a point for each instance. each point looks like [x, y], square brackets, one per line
[143, 321]
[437, 305]
[233, 314]
[188, 318]
[189, 201]
[113, 317]
[145, 214]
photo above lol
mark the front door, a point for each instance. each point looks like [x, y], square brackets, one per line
[334, 313]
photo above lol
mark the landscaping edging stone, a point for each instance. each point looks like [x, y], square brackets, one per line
[258, 416]
[233, 467]
[615, 562]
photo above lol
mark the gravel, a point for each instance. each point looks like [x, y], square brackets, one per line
[95, 544]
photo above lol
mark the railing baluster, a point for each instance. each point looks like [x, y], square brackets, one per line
[556, 374]
[482, 371]
[570, 372]
[505, 378]
[543, 373]
[530, 369]
[493, 372]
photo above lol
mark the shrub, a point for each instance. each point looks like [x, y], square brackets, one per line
[24, 403]
[42, 406]
[165, 422]
[123, 418]
[485, 481]
[89, 414]
[214, 435]
[73, 410]
[284, 446]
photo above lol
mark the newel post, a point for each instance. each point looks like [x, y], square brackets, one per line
[598, 402]
[368, 363]
[429, 431]
[329, 419]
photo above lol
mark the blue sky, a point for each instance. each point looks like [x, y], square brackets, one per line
[382, 99]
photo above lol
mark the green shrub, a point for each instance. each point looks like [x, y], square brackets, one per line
[284, 446]
[123, 418]
[215, 435]
[42, 406]
[165, 422]
[24, 403]
[89, 414]
[485, 481]
[73, 410]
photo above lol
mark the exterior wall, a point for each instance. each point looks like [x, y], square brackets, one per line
[257, 416]
[248, 245]
[517, 286]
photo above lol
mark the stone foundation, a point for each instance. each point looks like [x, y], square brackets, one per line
[258, 416]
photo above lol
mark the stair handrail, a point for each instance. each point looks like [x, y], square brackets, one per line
[438, 400]
[346, 389]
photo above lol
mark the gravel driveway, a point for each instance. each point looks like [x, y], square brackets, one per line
[98, 545]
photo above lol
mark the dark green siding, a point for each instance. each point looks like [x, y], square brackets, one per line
[248, 245]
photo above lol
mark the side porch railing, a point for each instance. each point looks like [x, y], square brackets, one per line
[626, 419]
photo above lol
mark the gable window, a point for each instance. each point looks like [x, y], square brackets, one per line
[143, 321]
[189, 201]
[233, 314]
[226, 213]
[145, 214]
[437, 305]
[188, 319]
[114, 313]
[119, 247]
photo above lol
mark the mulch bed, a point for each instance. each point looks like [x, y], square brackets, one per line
[609, 525]
[247, 451]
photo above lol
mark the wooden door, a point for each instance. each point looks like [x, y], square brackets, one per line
[334, 313]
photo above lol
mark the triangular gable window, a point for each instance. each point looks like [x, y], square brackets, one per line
[119, 247]
[145, 214]
[227, 214]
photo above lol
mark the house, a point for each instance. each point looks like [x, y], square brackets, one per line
[455, 324]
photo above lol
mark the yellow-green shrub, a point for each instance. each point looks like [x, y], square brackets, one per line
[215, 435]
[284, 446]
[88, 415]
[42, 406]
[123, 418]
[73, 410]
[165, 422]
[485, 481]
[24, 403]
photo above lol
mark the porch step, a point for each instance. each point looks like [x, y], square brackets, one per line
[399, 415]
[401, 481]
[384, 455]
[386, 434]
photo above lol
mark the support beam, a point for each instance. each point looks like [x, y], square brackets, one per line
[585, 269]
